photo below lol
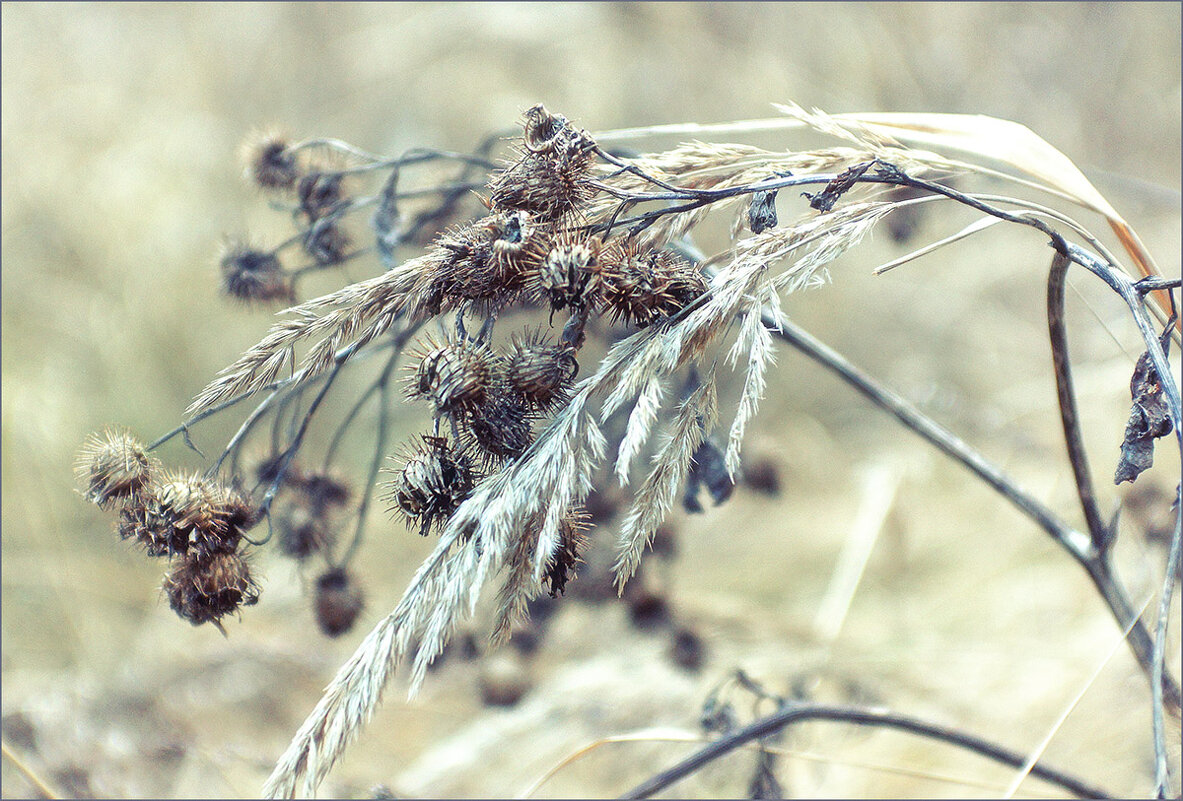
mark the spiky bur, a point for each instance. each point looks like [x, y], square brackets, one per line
[339, 600]
[642, 286]
[569, 275]
[187, 515]
[434, 480]
[206, 589]
[270, 162]
[572, 539]
[456, 377]
[539, 371]
[112, 467]
[254, 276]
[551, 174]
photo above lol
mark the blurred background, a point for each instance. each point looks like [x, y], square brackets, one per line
[121, 177]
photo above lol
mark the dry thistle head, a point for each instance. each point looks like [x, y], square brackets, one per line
[434, 480]
[339, 600]
[254, 276]
[203, 590]
[186, 514]
[572, 539]
[456, 376]
[643, 286]
[500, 428]
[323, 490]
[328, 244]
[269, 162]
[569, 274]
[539, 371]
[112, 466]
[319, 193]
[302, 532]
[551, 175]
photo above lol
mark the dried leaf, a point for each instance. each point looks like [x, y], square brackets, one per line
[1149, 419]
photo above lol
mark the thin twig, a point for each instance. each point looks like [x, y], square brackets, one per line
[798, 711]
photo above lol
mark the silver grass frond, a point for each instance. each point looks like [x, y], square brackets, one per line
[670, 465]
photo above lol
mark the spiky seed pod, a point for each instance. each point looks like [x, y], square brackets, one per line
[269, 163]
[569, 275]
[573, 537]
[339, 600]
[500, 427]
[181, 514]
[434, 480]
[551, 174]
[206, 590]
[112, 466]
[254, 276]
[455, 376]
[302, 532]
[328, 244]
[519, 246]
[643, 286]
[318, 193]
[540, 372]
[323, 491]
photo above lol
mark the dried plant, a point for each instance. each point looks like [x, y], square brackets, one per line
[566, 227]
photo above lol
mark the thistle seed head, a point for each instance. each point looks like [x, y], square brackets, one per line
[302, 532]
[339, 600]
[203, 590]
[434, 480]
[540, 372]
[573, 537]
[643, 286]
[112, 467]
[254, 276]
[456, 376]
[269, 163]
[500, 428]
[569, 276]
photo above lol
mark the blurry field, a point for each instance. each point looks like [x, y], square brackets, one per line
[120, 177]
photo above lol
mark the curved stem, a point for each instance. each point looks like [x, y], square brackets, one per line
[796, 712]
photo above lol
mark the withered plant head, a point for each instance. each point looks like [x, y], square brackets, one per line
[327, 243]
[112, 466]
[500, 428]
[456, 376]
[642, 286]
[269, 161]
[204, 590]
[434, 480]
[187, 514]
[323, 490]
[254, 276]
[339, 600]
[302, 531]
[569, 275]
[551, 175]
[540, 371]
[319, 193]
[572, 540]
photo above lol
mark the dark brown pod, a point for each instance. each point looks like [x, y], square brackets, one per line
[206, 590]
[643, 286]
[112, 466]
[539, 371]
[434, 480]
[339, 600]
[456, 377]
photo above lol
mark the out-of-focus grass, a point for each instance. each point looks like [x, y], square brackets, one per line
[120, 128]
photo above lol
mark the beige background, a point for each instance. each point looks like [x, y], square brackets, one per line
[120, 177]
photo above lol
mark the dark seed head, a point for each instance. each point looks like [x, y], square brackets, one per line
[270, 164]
[112, 466]
[339, 600]
[434, 480]
[538, 371]
[456, 376]
[204, 590]
[254, 276]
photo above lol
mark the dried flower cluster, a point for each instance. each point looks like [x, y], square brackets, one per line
[594, 251]
[196, 523]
